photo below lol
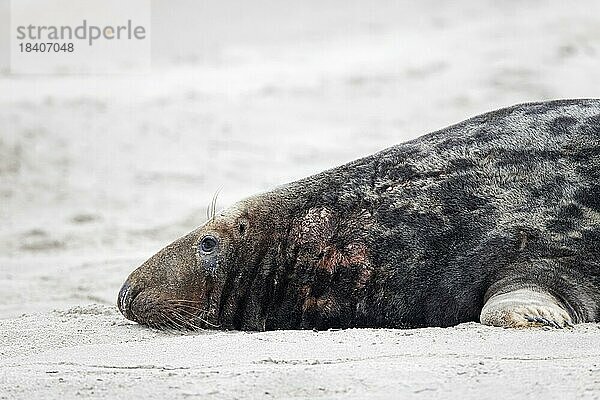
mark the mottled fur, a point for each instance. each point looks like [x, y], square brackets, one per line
[420, 234]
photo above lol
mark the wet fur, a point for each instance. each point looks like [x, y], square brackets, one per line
[420, 234]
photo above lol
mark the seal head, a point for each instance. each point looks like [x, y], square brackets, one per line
[184, 284]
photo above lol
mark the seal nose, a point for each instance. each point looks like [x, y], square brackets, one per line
[125, 298]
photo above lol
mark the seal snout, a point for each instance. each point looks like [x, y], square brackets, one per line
[169, 290]
[126, 296]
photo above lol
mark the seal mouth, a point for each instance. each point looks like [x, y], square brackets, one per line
[162, 313]
[126, 296]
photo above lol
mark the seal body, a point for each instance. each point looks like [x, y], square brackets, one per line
[495, 219]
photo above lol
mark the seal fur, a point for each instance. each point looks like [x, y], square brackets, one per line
[495, 219]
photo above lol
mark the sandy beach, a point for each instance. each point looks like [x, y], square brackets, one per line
[97, 173]
[91, 352]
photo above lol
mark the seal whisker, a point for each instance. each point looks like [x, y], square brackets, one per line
[190, 305]
[175, 324]
[178, 317]
[188, 324]
[168, 317]
[153, 325]
[207, 323]
[159, 320]
[214, 203]
[208, 212]
[177, 301]
[168, 325]
[190, 309]
[184, 322]
[199, 318]
[189, 313]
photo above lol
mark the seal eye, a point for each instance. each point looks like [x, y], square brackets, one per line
[208, 244]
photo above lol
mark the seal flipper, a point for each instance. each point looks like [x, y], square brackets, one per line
[525, 307]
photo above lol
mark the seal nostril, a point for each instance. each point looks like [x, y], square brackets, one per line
[126, 296]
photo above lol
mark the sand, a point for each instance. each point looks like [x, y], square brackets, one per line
[99, 172]
[91, 351]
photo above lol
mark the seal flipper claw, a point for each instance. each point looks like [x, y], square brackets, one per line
[525, 307]
[543, 321]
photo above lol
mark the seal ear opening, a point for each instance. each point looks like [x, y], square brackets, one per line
[242, 227]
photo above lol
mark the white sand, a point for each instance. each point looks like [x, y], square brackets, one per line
[91, 351]
[97, 173]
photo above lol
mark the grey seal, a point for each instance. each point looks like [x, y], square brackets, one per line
[495, 219]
